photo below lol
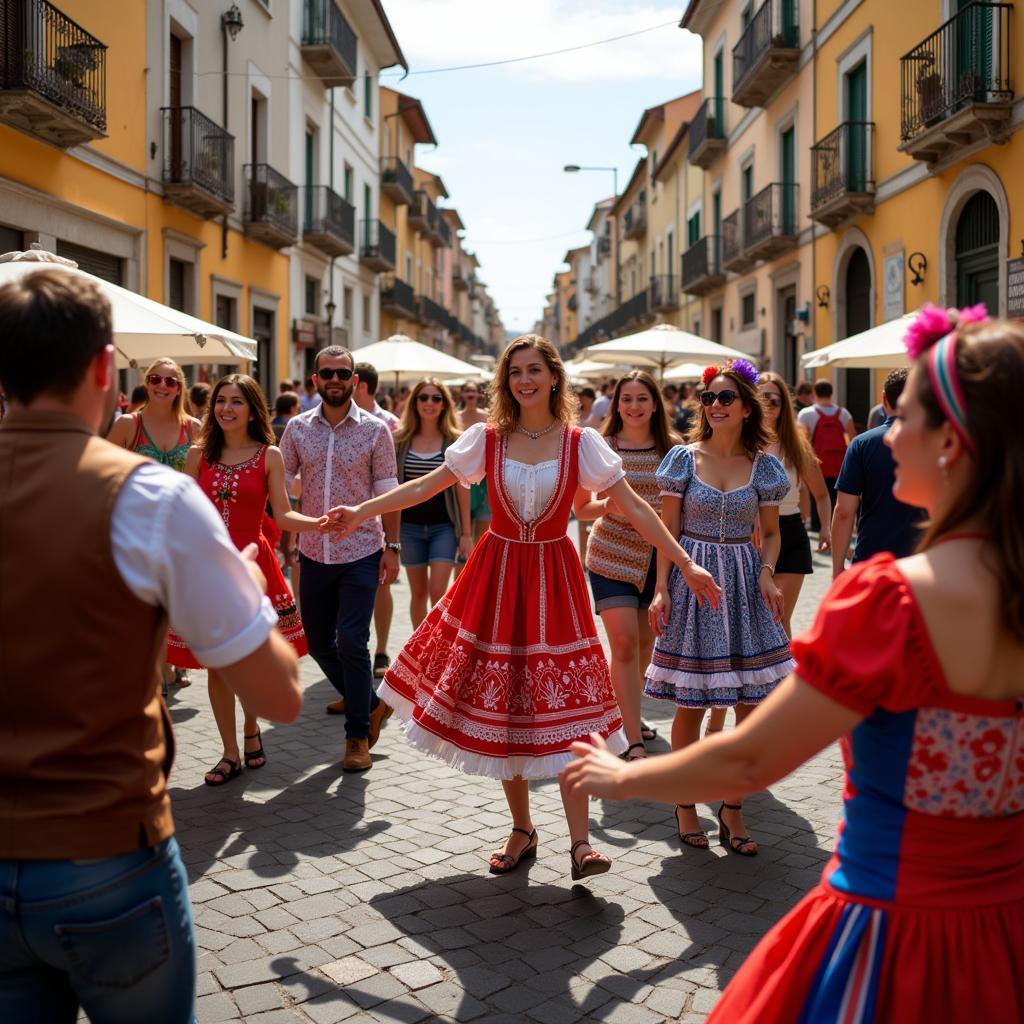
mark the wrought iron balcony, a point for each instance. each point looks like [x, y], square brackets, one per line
[444, 232]
[702, 266]
[460, 282]
[397, 297]
[376, 245]
[329, 44]
[422, 215]
[707, 133]
[396, 180]
[329, 222]
[270, 207]
[431, 312]
[53, 75]
[955, 87]
[199, 162]
[663, 294]
[767, 53]
[769, 221]
[734, 256]
[842, 174]
[634, 223]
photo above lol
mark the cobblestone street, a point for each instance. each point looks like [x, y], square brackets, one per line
[325, 897]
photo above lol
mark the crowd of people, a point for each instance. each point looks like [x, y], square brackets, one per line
[302, 511]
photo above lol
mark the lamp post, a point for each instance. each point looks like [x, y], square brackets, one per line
[575, 169]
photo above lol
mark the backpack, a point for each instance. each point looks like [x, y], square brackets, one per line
[829, 442]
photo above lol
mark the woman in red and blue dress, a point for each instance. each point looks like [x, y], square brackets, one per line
[918, 664]
[239, 468]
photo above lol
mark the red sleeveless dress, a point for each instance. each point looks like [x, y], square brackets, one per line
[240, 495]
[507, 669]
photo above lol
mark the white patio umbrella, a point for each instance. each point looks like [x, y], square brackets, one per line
[878, 347]
[587, 369]
[661, 347]
[685, 372]
[144, 330]
[406, 360]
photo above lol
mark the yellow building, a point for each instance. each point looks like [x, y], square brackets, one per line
[913, 181]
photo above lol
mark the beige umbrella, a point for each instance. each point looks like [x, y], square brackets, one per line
[406, 360]
[877, 348]
[661, 347]
[685, 372]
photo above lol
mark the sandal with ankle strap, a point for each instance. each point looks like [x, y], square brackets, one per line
[631, 748]
[586, 868]
[509, 863]
[734, 844]
[648, 732]
[697, 840]
[222, 777]
[254, 755]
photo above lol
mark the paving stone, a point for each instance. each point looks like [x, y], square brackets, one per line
[417, 974]
[258, 998]
[348, 970]
[217, 1007]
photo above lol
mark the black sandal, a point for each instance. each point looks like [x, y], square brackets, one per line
[697, 840]
[509, 863]
[585, 869]
[235, 769]
[735, 844]
[253, 755]
[631, 748]
[648, 732]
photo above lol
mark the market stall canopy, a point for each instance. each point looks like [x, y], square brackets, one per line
[405, 361]
[661, 347]
[144, 330]
[878, 348]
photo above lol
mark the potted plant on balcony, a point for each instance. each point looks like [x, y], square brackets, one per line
[929, 97]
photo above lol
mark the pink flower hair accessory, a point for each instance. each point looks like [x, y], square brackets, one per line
[931, 323]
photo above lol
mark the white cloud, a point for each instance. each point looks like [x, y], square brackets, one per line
[446, 33]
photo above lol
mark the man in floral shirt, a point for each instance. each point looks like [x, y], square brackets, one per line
[345, 456]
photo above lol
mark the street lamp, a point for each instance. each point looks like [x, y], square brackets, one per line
[575, 169]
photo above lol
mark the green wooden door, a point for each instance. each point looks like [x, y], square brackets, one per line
[787, 207]
[857, 138]
[973, 36]
[788, 22]
[309, 180]
[719, 112]
[716, 229]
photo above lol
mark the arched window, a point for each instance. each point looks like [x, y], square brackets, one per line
[977, 252]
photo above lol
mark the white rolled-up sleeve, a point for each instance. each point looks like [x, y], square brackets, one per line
[600, 465]
[466, 456]
[172, 550]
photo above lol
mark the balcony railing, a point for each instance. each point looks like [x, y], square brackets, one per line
[431, 312]
[444, 232]
[663, 293]
[634, 224]
[702, 266]
[396, 180]
[459, 280]
[397, 297]
[631, 312]
[422, 213]
[329, 222]
[53, 74]
[734, 256]
[270, 209]
[955, 87]
[769, 221]
[376, 245]
[842, 176]
[329, 44]
[707, 133]
[767, 53]
[199, 162]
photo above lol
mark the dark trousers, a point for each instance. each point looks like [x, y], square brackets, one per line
[337, 605]
[830, 486]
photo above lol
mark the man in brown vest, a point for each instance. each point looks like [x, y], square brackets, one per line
[97, 547]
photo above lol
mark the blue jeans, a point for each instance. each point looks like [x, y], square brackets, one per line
[337, 605]
[113, 936]
[426, 543]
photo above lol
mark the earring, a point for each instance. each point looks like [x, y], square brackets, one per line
[943, 462]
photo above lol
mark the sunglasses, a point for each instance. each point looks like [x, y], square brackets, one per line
[158, 378]
[437, 399]
[724, 397]
[328, 374]
[773, 400]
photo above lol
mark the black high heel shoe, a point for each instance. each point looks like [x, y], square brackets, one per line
[743, 845]
[697, 840]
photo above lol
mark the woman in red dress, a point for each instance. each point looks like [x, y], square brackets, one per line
[918, 665]
[507, 669]
[239, 468]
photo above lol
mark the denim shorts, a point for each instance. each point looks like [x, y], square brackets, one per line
[423, 544]
[609, 593]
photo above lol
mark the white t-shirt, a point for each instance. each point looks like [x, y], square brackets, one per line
[172, 550]
[530, 487]
[809, 417]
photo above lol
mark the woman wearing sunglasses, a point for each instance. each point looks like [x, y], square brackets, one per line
[468, 415]
[791, 447]
[437, 531]
[715, 489]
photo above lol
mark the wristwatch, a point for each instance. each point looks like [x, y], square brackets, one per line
[393, 545]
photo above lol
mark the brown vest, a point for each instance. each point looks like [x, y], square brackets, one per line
[85, 739]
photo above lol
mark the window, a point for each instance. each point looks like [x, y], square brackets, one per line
[312, 287]
[347, 186]
[693, 229]
[748, 182]
[747, 310]
[716, 325]
[654, 164]
[366, 314]
[177, 286]
[347, 305]
[263, 332]
[408, 268]
[368, 96]
[226, 312]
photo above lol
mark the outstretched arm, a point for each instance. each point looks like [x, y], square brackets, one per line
[345, 519]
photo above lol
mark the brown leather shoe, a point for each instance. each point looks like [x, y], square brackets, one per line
[336, 707]
[378, 716]
[357, 756]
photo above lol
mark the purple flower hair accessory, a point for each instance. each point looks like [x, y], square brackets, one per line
[745, 369]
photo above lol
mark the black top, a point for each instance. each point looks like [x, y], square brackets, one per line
[434, 510]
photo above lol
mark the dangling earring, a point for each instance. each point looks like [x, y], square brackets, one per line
[944, 468]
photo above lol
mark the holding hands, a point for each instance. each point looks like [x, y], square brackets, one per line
[342, 519]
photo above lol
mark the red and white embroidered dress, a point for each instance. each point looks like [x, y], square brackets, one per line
[507, 669]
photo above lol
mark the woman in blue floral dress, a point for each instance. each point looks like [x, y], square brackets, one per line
[715, 490]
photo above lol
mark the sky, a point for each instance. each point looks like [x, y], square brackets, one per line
[504, 133]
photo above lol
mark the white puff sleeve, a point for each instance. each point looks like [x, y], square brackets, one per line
[600, 465]
[466, 457]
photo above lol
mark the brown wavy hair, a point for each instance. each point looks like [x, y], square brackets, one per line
[664, 436]
[180, 405]
[990, 369]
[504, 409]
[754, 437]
[410, 423]
[795, 448]
[211, 436]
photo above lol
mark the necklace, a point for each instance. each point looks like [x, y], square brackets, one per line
[534, 434]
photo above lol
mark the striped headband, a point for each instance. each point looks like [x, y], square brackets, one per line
[946, 384]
